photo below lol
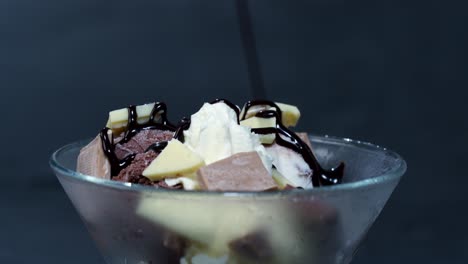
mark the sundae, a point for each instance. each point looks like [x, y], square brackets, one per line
[220, 148]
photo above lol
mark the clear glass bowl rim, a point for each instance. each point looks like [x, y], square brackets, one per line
[395, 172]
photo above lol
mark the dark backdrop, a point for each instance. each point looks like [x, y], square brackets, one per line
[389, 72]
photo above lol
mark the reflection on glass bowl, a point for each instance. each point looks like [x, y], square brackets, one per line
[140, 224]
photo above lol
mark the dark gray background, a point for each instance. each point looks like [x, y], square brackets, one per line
[389, 72]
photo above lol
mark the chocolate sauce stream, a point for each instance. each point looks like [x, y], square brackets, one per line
[249, 45]
[320, 176]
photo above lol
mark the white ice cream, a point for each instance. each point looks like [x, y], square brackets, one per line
[214, 134]
[291, 165]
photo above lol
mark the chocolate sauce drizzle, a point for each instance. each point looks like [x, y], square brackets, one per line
[184, 124]
[133, 127]
[283, 137]
[157, 147]
[320, 176]
[109, 150]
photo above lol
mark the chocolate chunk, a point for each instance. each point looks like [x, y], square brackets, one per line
[253, 246]
[133, 172]
[141, 141]
[92, 160]
[240, 172]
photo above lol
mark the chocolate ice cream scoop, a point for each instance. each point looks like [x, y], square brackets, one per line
[133, 173]
[141, 141]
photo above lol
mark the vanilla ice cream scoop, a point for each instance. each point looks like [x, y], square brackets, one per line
[215, 134]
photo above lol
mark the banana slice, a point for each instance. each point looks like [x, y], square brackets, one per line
[290, 114]
[118, 119]
[259, 122]
[188, 183]
[174, 161]
[280, 180]
[214, 223]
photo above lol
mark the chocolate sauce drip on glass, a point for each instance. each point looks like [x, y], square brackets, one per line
[320, 176]
[133, 127]
[250, 49]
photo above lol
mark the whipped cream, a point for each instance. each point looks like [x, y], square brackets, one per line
[214, 134]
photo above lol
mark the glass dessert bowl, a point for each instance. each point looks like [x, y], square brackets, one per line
[132, 223]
